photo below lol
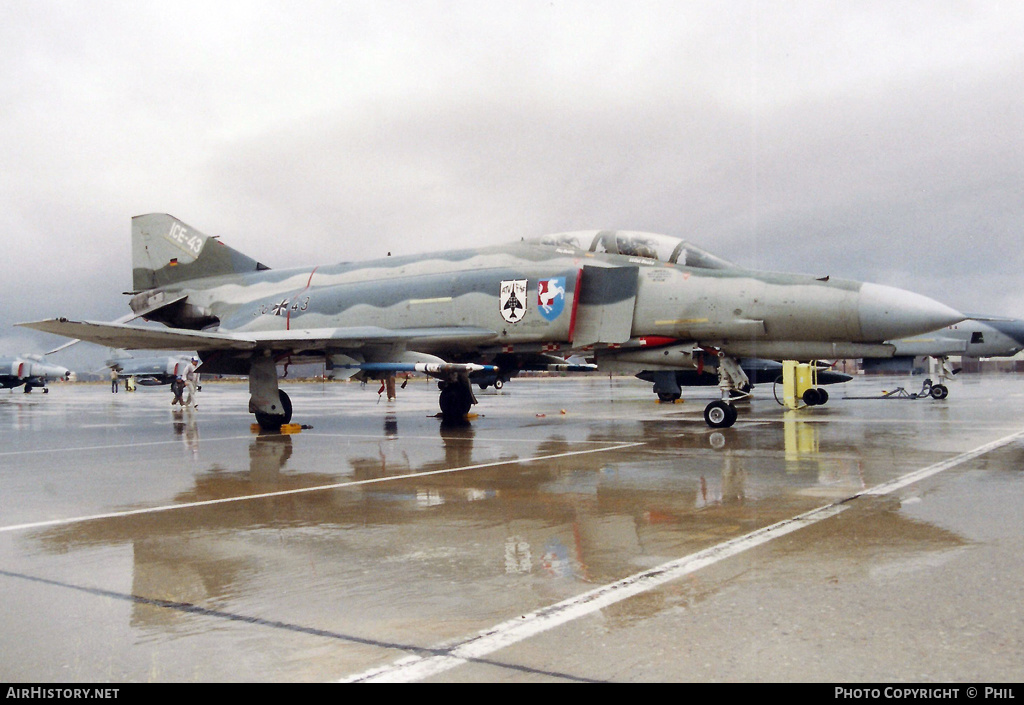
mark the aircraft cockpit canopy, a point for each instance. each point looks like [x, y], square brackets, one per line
[662, 248]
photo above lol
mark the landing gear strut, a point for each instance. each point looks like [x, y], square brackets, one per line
[943, 372]
[271, 407]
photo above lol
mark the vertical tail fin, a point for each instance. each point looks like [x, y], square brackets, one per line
[167, 251]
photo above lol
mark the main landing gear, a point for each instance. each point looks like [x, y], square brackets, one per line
[456, 398]
[278, 417]
[271, 407]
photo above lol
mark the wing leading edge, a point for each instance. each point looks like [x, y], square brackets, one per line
[131, 337]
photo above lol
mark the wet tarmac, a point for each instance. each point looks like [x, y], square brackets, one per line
[574, 530]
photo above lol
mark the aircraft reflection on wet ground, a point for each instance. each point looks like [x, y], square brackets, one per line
[381, 531]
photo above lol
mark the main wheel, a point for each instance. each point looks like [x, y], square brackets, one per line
[668, 397]
[718, 414]
[272, 422]
[455, 401]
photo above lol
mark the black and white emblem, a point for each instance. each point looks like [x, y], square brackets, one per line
[280, 309]
[512, 300]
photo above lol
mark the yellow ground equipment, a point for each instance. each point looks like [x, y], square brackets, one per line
[800, 385]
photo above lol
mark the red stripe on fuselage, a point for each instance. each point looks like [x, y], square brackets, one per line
[575, 303]
[288, 316]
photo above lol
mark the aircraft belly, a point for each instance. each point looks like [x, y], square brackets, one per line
[634, 360]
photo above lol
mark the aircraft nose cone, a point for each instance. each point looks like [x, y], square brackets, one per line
[888, 313]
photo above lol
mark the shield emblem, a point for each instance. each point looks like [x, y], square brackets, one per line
[512, 300]
[551, 297]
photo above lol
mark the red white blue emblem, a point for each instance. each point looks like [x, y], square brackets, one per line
[551, 297]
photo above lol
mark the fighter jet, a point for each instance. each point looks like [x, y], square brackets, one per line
[31, 371]
[150, 371]
[977, 336]
[454, 313]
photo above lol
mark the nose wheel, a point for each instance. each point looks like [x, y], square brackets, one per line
[720, 414]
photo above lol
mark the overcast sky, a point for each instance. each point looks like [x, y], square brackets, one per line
[879, 141]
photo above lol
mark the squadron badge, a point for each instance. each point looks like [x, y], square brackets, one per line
[551, 297]
[512, 300]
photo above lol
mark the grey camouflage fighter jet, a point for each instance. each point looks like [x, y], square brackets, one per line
[31, 371]
[150, 371]
[456, 313]
[977, 336]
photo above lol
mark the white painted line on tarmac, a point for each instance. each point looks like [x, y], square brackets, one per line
[918, 475]
[306, 490]
[414, 668]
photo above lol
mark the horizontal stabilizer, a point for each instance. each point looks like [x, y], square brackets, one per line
[158, 302]
[119, 335]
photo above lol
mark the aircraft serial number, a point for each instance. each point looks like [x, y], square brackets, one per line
[282, 308]
[180, 236]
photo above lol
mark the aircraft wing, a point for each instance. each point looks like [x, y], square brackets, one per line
[120, 335]
[358, 336]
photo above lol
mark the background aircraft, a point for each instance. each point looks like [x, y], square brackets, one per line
[31, 371]
[977, 336]
[150, 371]
[452, 314]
